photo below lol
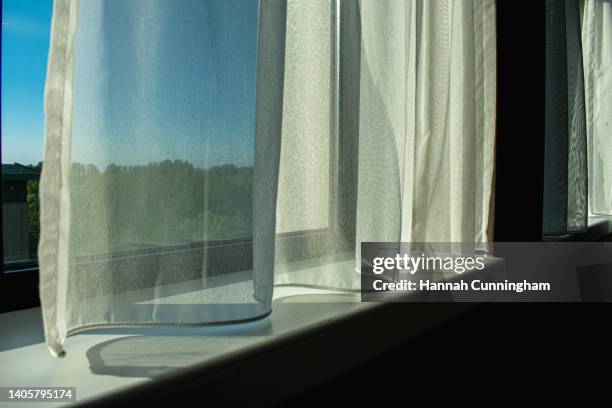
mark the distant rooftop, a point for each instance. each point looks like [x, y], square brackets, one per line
[17, 172]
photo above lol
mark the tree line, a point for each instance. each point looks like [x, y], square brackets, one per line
[158, 204]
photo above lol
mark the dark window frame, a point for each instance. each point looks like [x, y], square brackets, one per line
[519, 139]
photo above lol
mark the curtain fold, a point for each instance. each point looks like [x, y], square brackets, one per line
[412, 159]
[578, 152]
[596, 19]
[565, 174]
[54, 197]
[217, 148]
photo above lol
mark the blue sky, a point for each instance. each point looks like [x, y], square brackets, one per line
[153, 80]
[25, 44]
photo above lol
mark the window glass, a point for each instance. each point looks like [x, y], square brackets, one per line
[25, 45]
[163, 134]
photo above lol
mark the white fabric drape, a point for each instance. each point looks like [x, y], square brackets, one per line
[428, 107]
[160, 145]
[183, 177]
[597, 59]
[424, 126]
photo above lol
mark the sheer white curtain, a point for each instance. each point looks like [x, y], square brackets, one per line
[597, 58]
[160, 146]
[412, 132]
[199, 152]
[565, 159]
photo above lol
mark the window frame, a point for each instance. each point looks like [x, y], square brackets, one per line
[18, 280]
[519, 186]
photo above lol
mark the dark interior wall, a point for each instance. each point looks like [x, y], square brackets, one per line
[491, 352]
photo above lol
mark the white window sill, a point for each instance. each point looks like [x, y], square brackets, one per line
[101, 362]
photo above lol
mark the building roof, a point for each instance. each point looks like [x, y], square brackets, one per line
[19, 172]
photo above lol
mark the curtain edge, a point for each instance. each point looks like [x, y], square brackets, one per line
[54, 194]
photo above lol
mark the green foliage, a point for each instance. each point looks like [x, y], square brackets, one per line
[159, 204]
[33, 202]
[33, 216]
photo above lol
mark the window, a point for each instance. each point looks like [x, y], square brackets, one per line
[191, 193]
[25, 43]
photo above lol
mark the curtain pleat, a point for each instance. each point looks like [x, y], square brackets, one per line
[54, 194]
[565, 174]
[420, 81]
[596, 19]
[425, 132]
